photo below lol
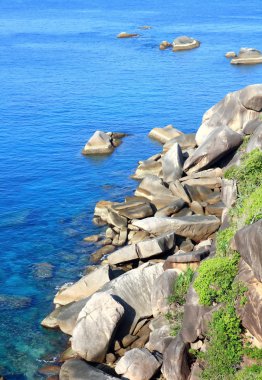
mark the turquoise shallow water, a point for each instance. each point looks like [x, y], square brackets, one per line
[63, 75]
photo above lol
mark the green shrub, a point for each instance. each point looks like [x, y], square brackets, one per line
[224, 351]
[180, 288]
[249, 174]
[223, 239]
[253, 352]
[215, 279]
[253, 372]
[251, 208]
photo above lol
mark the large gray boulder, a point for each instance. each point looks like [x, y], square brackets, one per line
[185, 43]
[95, 326]
[229, 192]
[251, 312]
[135, 209]
[138, 364]
[255, 140]
[127, 289]
[248, 242]
[163, 287]
[144, 249]
[76, 369]
[99, 143]
[83, 288]
[236, 110]
[148, 167]
[154, 190]
[159, 339]
[247, 56]
[175, 360]
[172, 164]
[218, 144]
[162, 135]
[195, 227]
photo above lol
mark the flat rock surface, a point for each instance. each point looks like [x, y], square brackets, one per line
[195, 227]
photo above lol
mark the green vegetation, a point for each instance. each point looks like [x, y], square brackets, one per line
[177, 300]
[252, 207]
[253, 372]
[225, 345]
[253, 352]
[180, 288]
[215, 279]
[223, 239]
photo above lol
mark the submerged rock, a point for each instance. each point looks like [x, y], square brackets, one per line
[247, 56]
[185, 43]
[13, 302]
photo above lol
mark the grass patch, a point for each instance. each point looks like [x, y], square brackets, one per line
[223, 238]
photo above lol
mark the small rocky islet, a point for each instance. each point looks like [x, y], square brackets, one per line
[167, 271]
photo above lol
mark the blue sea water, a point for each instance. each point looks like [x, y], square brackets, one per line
[63, 75]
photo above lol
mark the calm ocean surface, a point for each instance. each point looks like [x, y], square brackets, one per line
[63, 75]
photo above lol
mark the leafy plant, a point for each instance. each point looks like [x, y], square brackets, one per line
[215, 279]
[224, 351]
[223, 239]
[253, 372]
[180, 288]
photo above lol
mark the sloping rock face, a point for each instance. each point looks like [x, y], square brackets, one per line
[138, 364]
[255, 140]
[251, 312]
[175, 363]
[185, 141]
[248, 242]
[185, 43]
[75, 369]
[83, 288]
[95, 327]
[162, 135]
[247, 56]
[235, 111]
[99, 143]
[195, 227]
[218, 144]
[172, 164]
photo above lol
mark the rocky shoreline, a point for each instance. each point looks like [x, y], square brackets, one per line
[120, 315]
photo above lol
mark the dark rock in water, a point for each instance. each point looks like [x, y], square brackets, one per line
[96, 256]
[175, 360]
[8, 302]
[248, 243]
[75, 369]
[43, 270]
[251, 312]
[219, 143]
[49, 370]
[138, 364]
[255, 140]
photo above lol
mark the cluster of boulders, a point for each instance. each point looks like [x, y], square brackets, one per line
[116, 313]
[246, 56]
[102, 143]
[180, 43]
